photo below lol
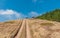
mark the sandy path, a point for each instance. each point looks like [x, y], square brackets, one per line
[28, 33]
[21, 33]
[24, 31]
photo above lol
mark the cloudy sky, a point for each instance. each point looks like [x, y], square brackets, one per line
[19, 9]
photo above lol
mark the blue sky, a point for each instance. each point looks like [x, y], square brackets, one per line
[25, 8]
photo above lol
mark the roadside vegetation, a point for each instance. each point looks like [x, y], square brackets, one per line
[47, 24]
[52, 15]
[10, 22]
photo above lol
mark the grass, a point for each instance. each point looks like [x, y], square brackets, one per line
[47, 24]
[9, 22]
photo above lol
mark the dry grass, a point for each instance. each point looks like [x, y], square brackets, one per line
[9, 28]
[41, 29]
[9, 22]
[47, 24]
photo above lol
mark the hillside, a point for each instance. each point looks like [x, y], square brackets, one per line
[52, 15]
[30, 28]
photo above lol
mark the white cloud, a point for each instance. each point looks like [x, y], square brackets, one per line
[10, 15]
[7, 12]
[33, 14]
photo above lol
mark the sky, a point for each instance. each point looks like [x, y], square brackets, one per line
[20, 9]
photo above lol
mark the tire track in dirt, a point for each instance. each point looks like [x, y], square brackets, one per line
[18, 29]
[21, 32]
[28, 31]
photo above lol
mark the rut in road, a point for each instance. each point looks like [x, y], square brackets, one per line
[22, 30]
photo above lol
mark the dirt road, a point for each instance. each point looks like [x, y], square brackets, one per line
[30, 28]
[24, 31]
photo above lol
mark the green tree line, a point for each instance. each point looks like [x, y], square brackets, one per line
[52, 15]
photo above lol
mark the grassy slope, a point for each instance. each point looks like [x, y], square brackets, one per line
[52, 15]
